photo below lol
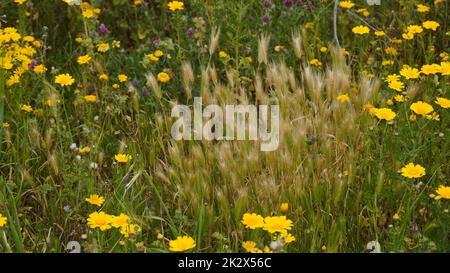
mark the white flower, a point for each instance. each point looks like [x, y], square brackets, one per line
[73, 146]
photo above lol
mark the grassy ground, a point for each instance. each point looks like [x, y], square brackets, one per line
[348, 128]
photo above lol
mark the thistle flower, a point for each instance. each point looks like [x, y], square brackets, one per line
[288, 3]
[190, 32]
[103, 30]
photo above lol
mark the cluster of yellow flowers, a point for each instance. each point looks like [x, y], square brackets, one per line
[17, 55]
[104, 221]
[155, 56]
[277, 226]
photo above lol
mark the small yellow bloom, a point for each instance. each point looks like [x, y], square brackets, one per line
[252, 220]
[413, 171]
[408, 36]
[274, 224]
[85, 59]
[2, 220]
[323, 49]
[103, 47]
[288, 238]
[95, 199]
[26, 108]
[442, 193]
[414, 29]
[409, 72]
[5, 125]
[251, 247]
[40, 69]
[431, 69]
[384, 113]
[163, 77]
[432, 25]
[343, 98]
[130, 230]
[84, 150]
[100, 220]
[346, 4]
[122, 78]
[103, 77]
[152, 57]
[158, 53]
[315, 62]
[421, 108]
[90, 98]
[443, 102]
[88, 13]
[380, 33]
[445, 68]
[391, 51]
[387, 62]
[360, 30]
[115, 44]
[284, 207]
[399, 98]
[64, 79]
[182, 243]
[223, 55]
[122, 158]
[422, 8]
[175, 5]
[120, 221]
[396, 85]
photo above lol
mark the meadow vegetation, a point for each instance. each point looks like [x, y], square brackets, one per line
[87, 156]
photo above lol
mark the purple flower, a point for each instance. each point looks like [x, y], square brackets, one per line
[300, 4]
[266, 19]
[310, 6]
[66, 208]
[32, 64]
[145, 92]
[190, 32]
[267, 4]
[288, 3]
[156, 41]
[102, 30]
